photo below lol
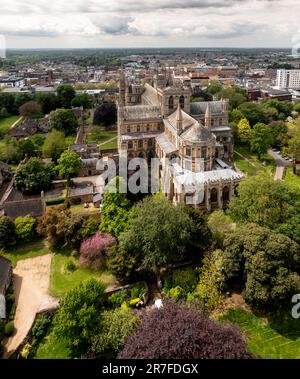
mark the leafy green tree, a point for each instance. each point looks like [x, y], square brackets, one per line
[27, 148]
[115, 208]
[63, 120]
[54, 144]
[269, 203]
[253, 112]
[25, 228]
[122, 264]
[235, 95]
[235, 116]
[116, 326]
[260, 139]
[38, 141]
[34, 176]
[30, 109]
[82, 100]
[297, 107]
[20, 99]
[244, 130]
[79, 317]
[48, 102]
[294, 146]
[11, 151]
[214, 88]
[278, 133]
[66, 93]
[264, 263]
[159, 233]
[7, 232]
[69, 165]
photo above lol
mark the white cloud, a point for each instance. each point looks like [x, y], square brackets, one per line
[149, 23]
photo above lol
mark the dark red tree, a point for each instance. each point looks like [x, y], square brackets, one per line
[184, 332]
[105, 114]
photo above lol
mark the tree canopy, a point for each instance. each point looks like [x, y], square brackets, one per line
[105, 114]
[69, 164]
[63, 120]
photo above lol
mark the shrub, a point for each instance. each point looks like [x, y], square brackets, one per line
[117, 298]
[7, 232]
[185, 279]
[25, 228]
[133, 302]
[70, 266]
[41, 327]
[25, 351]
[176, 293]
[93, 250]
[9, 329]
[55, 201]
[90, 227]
[138, 290]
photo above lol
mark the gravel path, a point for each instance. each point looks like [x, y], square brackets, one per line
[31, 283]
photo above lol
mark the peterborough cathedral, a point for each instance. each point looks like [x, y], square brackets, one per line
[193, 141]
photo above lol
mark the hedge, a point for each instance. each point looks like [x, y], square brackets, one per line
[55, 201]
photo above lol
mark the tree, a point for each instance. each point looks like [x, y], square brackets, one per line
[158, 233]
[115, 208]
[105, 114]
[48, 101]
[183, 332]
[30, 109]
[235, 116]
[122, 264]
[25, 228]
[63, 120]
[20, 99]
[209, 289]
[235, 95]
[3, 112]
[65, 94]
[269, 203]
[264, 263]
[297, 107]
[278, 130]
[11, 151]
[244, 130]
[260, 139]
[7, 232]
[27, 148]
[93, 250]
[54, 144]
[34, 176]
[82, 100]
[116, 327]
[61, 227]
[294, 146]
[78, 318]
[69, 165]
[214, 88]
[253, 112]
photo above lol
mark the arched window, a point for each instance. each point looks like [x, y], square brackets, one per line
[225, 194]
[140, 143]
[214, 195]
[138, 128]
[130, 145]
[150, 142]
[181, 101]
[171, 103]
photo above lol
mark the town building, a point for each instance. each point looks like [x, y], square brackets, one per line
[288, 79]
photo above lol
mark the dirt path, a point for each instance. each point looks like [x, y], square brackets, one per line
[31, 283]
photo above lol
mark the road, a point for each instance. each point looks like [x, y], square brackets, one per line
[281, 164]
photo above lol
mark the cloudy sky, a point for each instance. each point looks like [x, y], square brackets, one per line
[149, 23]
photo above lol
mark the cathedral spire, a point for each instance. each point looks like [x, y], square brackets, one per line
[179, 119]
[208, 116]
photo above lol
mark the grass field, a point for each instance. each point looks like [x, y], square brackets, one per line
[79, 208]
[291, 178]
[27, 250]
[62, 280]
[52, 348]
[110, 145]
[276, 336]
[252, 165]
[100, 135]
[7, 122]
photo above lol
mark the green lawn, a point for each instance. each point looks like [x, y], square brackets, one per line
[62, 280]
[27, 250]
[7, 122]
[79, 208]
[252, 166]
[274, 337]
[110, 145]
[52, 348]
[291, 178]
[101, 135]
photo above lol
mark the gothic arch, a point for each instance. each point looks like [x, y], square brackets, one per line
[171, 103]
[181, 101]
[213, 195]
[225, 194]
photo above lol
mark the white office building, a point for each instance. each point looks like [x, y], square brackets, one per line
[288, 79]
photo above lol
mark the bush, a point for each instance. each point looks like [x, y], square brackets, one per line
[7, 232]
[138, 290]
[93, 250]
[90, 227]
[55, 201]
[117, 298]
[185, 279]
[133, 302]
[25, 228]
[41, 327]
[70, 266]
[9, 329]
[176, 293]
